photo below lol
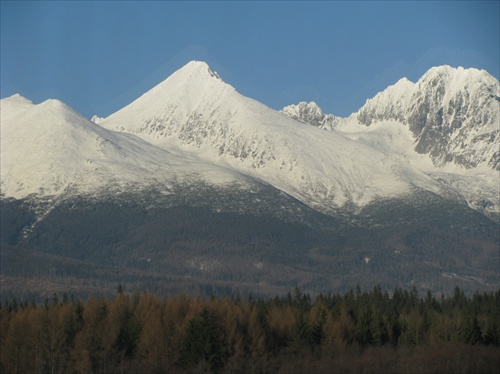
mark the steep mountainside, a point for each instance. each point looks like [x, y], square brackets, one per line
[312, 114]
[48, 149]
[194, 112]
[446, 125]
[195, 187]
[51, 156]
[453, 114]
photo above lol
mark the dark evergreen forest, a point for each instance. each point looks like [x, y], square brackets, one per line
[354, 332]
[88, 247]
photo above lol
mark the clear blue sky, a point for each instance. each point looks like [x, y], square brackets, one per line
[99, 56]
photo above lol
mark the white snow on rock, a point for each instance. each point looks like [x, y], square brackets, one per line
[195, 112]
[439, 134]
[49, 149]
[446, 125]
[312, 114]
[453, 114]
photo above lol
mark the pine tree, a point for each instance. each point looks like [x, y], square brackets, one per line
[204, 342]
[470, 333]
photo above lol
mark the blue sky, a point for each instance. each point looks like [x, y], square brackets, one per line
[99, 56]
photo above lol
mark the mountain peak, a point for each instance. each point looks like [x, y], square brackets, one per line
[13, 106]
[311, 113]
[174, 100]
[458, 77]
[388, 104]
[193, 114]
[17, 100]
[18, 97]
[451, 112]
[308, 112]
[196, 69]
[192, 78]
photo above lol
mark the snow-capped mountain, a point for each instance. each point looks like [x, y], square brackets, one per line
[389, 104]
[194, 183]
[49, 150]
[312, 114]
[446, 125]
[194, 112]
[194, 126]
[46, 148]
[452, 113]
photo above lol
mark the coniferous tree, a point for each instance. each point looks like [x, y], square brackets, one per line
[349, 332]
[204, 343]
[470, 333]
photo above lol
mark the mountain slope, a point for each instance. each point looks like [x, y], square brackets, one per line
[194, 112]
[312, 114]
[49, 148]
[196, 187]
[446, 125]
[46, 148]
[453, 114]
[195, 127]
[54, 157]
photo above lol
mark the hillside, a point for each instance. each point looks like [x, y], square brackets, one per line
[194, 186]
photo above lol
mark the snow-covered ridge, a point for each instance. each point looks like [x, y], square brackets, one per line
[195, 127]
[389, 104]
[196, 113]
[312, 114]
[49, 150]
[453, 114]
[446, 124]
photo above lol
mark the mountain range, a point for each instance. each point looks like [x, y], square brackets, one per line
[197, 182]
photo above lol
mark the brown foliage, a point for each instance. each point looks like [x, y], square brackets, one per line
[141, 333]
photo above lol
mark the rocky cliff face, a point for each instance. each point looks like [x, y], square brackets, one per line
[194, 129]
[453, 114]
[312, 114]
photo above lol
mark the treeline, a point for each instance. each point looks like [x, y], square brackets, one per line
[349, 333]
